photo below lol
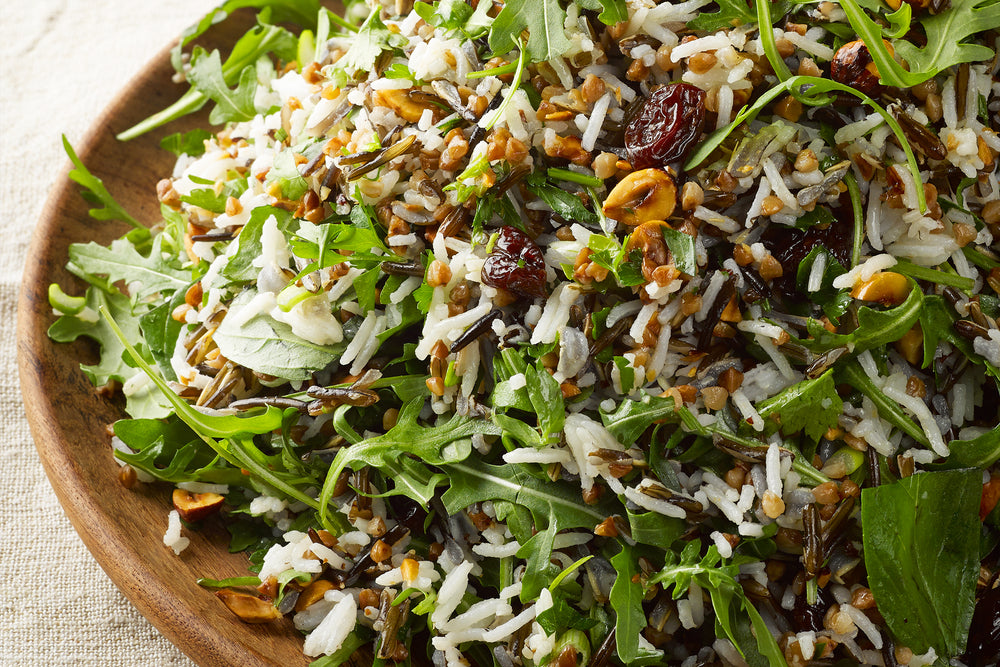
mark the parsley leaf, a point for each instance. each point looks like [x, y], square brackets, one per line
[543, 19]
[372, 39]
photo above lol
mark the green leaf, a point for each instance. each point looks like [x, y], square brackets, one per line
[566, 204]
[945, 47]
[267, 346]
[631, 418]
[980, 452]
[207, 77]
[412, 479]
[655, 529]
[875, 327]
[473, 481]
[833, 301]
[682, 251]
[88, 323]
[260, 41]
[731, 14]
[144, 275]
[435, 445]
[626, 599]
[286, 174]
[561, 616]
[547, 400]
[612, 11]
[96, 192]
[810, 406]
[372, 39]
[921, 550]
[543, 19]
[240, 267]
[189, 143]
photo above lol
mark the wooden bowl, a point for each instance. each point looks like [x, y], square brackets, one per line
[124, 528]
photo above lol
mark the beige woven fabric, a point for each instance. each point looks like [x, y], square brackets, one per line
[61, 62]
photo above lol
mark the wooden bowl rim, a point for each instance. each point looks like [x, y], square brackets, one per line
[150, 591]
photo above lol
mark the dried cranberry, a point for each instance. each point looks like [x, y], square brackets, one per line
[852, 66]
[516, 264]
[667, 126]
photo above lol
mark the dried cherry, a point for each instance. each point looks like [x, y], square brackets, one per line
[666, 127]
[515, 264]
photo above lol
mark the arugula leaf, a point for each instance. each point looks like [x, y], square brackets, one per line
[554, 506]
[833, 301]
[875, 327]
[260, 41]
[945, 48]
[144, 275]
[543, 19]
[731, 14]
[547, 400]
[726, 594]
[432, 444]
[980, 452]
[160, 331]
[921, 550]
[189, 143]
[87, 323]
[240, 267]
[631, 418]
[412, 479]
[682, 250]
[170, 451]
[810, 406]
[207, 77]
[267, 346]
[612, 11]
[562, 616]
[655, 529]
[626, 598]
[96, 192]
[460, 17]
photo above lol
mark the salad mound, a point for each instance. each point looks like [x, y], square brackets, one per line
[577, 333]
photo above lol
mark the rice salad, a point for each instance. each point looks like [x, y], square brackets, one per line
[577, 333]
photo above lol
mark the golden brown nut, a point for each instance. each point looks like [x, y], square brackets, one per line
[644, 195]
[885, 287]
[196, 506]
[248, 608]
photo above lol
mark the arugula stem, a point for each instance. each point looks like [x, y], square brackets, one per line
[933, 275]
[766, 26]
[859, 218]
[558, 174]
[509, 68]
[888, 409]
[522, 57]
[979, 259]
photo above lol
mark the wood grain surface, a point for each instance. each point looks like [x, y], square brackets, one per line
[124, 528]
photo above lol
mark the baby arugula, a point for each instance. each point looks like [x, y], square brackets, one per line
[945, 32]
[544, 19]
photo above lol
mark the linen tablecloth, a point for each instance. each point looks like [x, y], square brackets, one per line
[61, 63]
